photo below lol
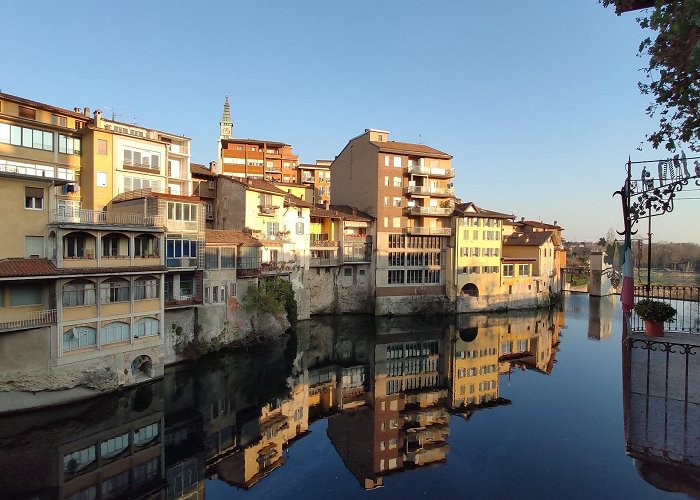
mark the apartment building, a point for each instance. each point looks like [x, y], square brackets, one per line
[232, 261]
[408, 189]
[204, 186]
[82, 287]
[478, 250]
[318, 177]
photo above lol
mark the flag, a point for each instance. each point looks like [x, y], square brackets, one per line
[627, 297]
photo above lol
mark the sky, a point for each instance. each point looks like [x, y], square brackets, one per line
[536, 101]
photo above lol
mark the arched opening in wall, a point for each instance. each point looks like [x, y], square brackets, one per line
[471, 290]
[142, 368]
[52, 245]
[142, 398]
[469, 334]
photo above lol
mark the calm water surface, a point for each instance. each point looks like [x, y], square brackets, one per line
[519, 405]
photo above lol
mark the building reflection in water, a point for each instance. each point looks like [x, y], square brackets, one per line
[661, 389]
[388, 387]
[600, 316]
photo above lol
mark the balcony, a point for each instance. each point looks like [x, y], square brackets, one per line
[309, 179]
[267, 210]
[428, 231]
[182, 225]
[82, 216]
[273, 170]
[321, 241]
[320, 262]
[436, 211]
[140, 166]
[429, 191]
[29, 320]
[33, 170]
[181, 262]
[179, 149]
[431, 171]
[172, 300]
[277, 267]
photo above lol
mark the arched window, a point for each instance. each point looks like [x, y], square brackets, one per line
[79, 337]
[471, 290]
[115, 245]
[114, 290]
[80, 292]
[114, 332]
[146, 287]
[146, 245]
[79, 245]
[146, 327]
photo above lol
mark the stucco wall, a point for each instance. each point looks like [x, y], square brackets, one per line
[332, 292]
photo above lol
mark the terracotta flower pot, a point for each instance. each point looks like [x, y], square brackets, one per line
[654, 328]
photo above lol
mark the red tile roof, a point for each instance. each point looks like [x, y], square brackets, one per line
[41, 105]
[21, 267]
[410, 149]
[228, 236]
[256, 184]
[461, 209]
[351, 213]
[198, 169]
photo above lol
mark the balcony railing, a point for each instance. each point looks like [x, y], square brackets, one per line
[181, 262]
[136, 165]
[178, 149]
[82, 216]
[29, 320]
[437, 211]
[317, 261]
[33, 170]
[431, 171]
[182, 225]
[321, 241]
[429, 191]
[267, 209]
[276, 267]
[685, 299]
[430, 231]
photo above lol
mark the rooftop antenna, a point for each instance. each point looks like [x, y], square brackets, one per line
[114, 114]
[134, 122]
[420, 139]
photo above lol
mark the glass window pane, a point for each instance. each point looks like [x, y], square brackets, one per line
[27, 137]
[16, 135]
[48, 141]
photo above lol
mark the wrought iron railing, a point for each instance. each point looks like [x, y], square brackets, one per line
[685, 299]
[29, 320]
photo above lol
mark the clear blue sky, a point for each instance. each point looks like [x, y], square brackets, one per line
[537, 101]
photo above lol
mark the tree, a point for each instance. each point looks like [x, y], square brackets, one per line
[672, 76]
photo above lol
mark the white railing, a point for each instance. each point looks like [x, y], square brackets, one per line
[19, 168]
[182, 225]
[30, 320]
[267, 210]
[141, 193]
[83, 216]
[178, 149]
[178, 298]
[427, 190]
[430, 210]
[432, 171]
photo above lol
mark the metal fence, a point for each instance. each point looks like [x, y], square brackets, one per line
[685, 299]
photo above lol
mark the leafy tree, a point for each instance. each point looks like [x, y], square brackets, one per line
[672, 76]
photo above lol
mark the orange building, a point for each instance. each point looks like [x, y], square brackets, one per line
[317, 177]
[255, 158]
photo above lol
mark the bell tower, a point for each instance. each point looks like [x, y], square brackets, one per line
[225, 125]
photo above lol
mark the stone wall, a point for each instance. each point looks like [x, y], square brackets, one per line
[502, 302]
[339, 290]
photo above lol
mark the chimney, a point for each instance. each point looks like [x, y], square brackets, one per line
[354, 211]
[555, 223]
[213, 167]
[77, 110]
[522, 219]
[86, 112]
[98, 118]
[326, 204]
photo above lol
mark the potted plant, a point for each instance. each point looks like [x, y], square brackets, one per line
[654, 314]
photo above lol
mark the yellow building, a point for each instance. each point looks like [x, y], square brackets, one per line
[478, 250]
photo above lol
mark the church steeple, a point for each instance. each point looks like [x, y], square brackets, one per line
[225, 125]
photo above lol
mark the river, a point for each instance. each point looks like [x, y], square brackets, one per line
[513, 405]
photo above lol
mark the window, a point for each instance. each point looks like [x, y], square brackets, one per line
[146, 434]
[211, 258]
[182, 211]
[228, 258]
[135, 183]
[386, 220]
[33, 246]
[207, 295]
[79, 293]
[300, 227]
[397, 182]
[146, 245]
[396, 222]
[26, 137]
[114, 446]
[347, 271]
[114, 332]
[25, 112]
[101, 147]
[396, 259]
[386, 160]
[142, 158]
[115, 245]
[79, 337]
[463, 251]
[68, 145]
[78, 460]
[25, 295]
[101, 179]
[273, 229]
[386, 180]
[215, 294]
[34, 198]
[397, 202]
[145, 287]
[508, 270]
[397, 161]
[114, 290]
[386, 201]
[523, 269]
[395, 277]
[146, 327]
[146, 471]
